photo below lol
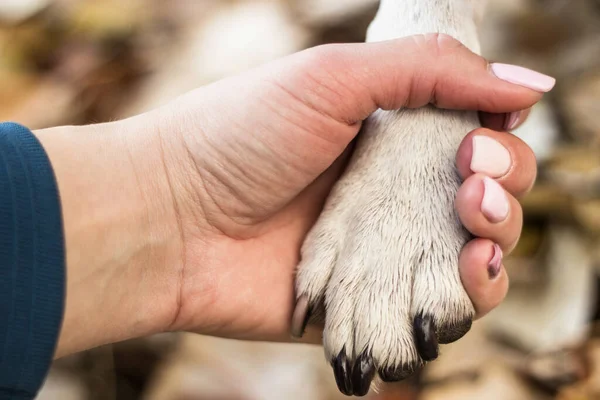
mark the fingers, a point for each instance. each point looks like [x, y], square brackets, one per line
[505, 121]
[497, 168]
[483, 275]
[488, 211]
[348, 82]
[501, 156]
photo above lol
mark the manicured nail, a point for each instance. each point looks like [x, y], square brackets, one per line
[489, 157]
[523, 77]
[513, 119]
[495, 264]
[495, 203]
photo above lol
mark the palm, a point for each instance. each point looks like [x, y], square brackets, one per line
[239, 281]
[248, 291]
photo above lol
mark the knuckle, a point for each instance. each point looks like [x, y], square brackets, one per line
[321, 56]
[437, 44]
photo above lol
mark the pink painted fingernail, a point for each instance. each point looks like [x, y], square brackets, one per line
[523, 77]
[495, 264]
[513, 119]
[489, 157]
[495, 203]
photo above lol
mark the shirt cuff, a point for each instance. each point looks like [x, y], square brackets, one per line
[32, 263]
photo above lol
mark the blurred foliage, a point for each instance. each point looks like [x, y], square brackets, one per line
[83, 61]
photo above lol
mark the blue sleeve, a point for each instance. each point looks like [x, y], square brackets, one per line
[32, 263]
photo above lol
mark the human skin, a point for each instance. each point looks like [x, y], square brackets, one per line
[190, 217]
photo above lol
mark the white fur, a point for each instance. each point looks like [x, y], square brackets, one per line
[386, 246]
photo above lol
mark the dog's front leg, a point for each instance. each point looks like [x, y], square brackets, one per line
[381, 264]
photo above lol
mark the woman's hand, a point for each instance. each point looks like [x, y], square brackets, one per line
[255, 156]
[215, 192]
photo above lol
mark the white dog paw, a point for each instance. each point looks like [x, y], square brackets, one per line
[380, 267]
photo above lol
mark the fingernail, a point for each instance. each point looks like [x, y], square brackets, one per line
[495, 203]
[513, 119]
[495, 264]
[489, 157]
[523, 77]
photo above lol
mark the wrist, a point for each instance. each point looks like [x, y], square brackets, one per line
[121, 233]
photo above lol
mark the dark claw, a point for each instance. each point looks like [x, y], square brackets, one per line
[397, 374]
[342, 371]
[449, 334]
[426, 337]
[362, 374]
[300, 318]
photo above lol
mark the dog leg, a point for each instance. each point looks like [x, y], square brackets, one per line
[381, 264]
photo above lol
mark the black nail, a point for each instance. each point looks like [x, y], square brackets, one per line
[451, 333]
[301, 317]
[362, 374]
[397, 373]
[425, 337]
[342, 371]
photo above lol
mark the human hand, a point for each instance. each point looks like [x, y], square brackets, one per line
[191, 217]
[252, 158]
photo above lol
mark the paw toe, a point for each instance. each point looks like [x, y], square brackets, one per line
[362, 374]
[426, 337]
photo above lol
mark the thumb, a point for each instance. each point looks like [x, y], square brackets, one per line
[350, 81]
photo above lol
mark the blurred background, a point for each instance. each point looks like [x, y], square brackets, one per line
[85, 61]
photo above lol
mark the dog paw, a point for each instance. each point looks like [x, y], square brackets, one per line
[380, 267]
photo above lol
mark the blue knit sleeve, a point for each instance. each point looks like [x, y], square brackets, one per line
[32, 263]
